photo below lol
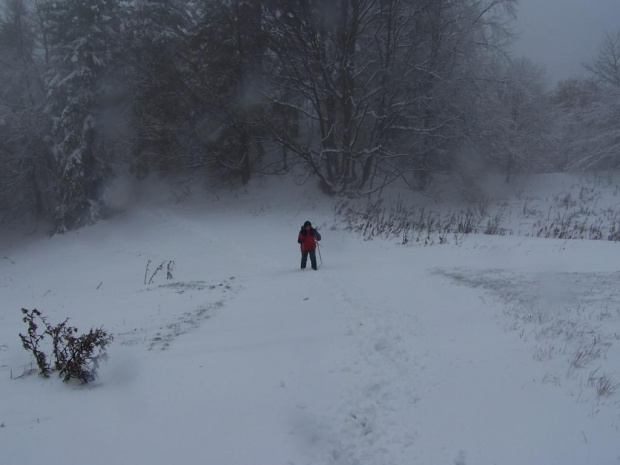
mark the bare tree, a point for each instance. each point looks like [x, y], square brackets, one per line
[317, 74]
[528, 113]
[590, 130]
[373, 82]
[606, 66]
[591, 111]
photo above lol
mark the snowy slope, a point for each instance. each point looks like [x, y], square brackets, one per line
[389, 354]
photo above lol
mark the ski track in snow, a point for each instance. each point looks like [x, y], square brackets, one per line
[383, 392]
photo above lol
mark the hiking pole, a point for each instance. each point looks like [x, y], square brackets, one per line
[318, 246]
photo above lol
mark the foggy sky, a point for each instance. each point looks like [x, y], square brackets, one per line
[562, 34]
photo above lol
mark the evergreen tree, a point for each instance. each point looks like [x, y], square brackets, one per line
[229, 44]
[156, 60]
[81, 36]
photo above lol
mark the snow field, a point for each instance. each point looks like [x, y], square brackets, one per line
[389, 354]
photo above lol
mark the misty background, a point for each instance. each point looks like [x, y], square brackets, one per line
[354, 95]
[562, 35]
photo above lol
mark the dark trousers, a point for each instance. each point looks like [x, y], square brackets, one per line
[304, 258]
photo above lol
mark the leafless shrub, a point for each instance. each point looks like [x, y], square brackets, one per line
[75, 357]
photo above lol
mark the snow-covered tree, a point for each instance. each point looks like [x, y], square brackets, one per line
[81, 36]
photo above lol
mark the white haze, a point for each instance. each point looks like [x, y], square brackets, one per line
[563, 34]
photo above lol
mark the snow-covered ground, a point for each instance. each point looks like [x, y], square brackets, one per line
[485, 350]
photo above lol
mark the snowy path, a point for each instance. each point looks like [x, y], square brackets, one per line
[378, 358]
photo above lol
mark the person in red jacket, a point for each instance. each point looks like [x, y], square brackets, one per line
[308, 237]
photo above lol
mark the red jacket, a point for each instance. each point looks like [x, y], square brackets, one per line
[308, 239]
